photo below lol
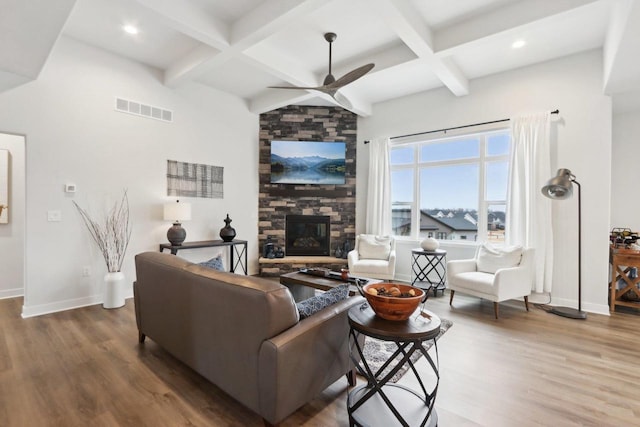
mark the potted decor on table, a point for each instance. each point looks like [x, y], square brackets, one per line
[112, 238]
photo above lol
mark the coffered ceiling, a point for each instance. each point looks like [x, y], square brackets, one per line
[244, 46]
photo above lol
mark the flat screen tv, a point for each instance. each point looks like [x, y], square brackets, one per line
[307, 162]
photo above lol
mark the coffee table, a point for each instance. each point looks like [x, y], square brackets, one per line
[302, 285]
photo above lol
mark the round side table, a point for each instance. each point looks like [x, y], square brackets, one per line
[429, 269]
[380, 403]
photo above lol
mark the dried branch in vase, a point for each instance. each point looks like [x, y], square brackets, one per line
[113, 236]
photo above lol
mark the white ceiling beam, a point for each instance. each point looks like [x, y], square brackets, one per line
[268, 18]
[404, 19]
[272, 99]
[508, 17]
[622, 43]
[194, 22]
[188, 67]
[188, 19]
[389, 57]
[358, 105]
[253, 28]
[262, 22]
[273, 61]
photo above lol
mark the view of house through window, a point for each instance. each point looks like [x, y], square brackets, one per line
[451, 188]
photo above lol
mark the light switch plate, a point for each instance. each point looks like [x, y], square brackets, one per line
[54, 216]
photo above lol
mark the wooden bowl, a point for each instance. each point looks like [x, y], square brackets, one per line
[393, 308]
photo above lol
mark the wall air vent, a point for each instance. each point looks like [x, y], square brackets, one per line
[144, 110]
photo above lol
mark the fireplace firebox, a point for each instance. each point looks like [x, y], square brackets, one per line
[307, 235]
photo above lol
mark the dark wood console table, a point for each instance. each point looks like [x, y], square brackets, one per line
[622, 260]
[237, 251]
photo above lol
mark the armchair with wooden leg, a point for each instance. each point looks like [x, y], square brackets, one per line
[494, 274]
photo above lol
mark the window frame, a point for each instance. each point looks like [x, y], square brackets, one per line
[482, 160]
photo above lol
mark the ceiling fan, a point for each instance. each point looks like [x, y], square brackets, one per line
[331, 86]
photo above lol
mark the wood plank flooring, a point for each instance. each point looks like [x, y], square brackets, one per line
[85, 367]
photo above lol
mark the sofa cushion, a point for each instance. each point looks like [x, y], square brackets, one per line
[491, 259]
[215, 263]
[314, 304]
[374, 247]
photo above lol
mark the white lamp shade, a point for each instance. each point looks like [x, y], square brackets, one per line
[177, 211]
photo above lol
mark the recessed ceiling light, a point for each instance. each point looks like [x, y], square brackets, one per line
[130, 29]
[518, 44]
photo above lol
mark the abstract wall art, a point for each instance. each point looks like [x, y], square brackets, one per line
[194, 180]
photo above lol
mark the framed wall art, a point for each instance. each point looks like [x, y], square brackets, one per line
[194, 180]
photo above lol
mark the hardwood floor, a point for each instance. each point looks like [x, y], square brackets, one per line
[85, 367]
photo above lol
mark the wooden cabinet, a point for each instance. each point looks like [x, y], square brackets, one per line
[622, 260]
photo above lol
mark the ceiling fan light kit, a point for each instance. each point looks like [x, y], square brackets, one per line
[330, 85]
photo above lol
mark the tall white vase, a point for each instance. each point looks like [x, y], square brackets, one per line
[113, 292]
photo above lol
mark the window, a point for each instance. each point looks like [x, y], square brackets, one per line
[452, 188]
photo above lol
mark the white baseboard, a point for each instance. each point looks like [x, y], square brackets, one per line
[588, 307]
[54, 307]
[12, 293]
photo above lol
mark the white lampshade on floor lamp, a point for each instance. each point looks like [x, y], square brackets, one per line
[177, 212]
[560, 187]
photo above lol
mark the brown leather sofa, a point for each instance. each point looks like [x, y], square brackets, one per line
[242, 333]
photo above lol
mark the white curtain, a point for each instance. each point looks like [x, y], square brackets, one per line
[379, 188]
[528, 221]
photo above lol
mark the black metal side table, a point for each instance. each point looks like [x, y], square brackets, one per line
[380, 403]
[429, 269]
[237, 251]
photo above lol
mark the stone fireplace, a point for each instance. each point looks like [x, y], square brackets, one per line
[307, 235]
[279, 201]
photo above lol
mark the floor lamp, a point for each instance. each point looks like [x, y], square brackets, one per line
[560, 187]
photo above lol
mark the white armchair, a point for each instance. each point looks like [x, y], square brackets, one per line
[373, 256]
[494, 274]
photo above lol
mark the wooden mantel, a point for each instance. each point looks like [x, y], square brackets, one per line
[278, 266]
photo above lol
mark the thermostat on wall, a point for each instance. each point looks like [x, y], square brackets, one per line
[70, 188]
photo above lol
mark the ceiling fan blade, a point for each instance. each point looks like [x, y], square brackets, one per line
[342, 100]
[330, 85]
[351, 76]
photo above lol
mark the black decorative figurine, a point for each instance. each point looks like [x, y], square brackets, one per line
[227, 233]
[268, 250]
[345, 249]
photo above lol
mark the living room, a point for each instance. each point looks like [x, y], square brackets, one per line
[73, 135]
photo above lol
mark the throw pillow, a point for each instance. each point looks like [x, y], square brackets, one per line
[314, 304]
[492, 259]
[374, 247]
[215, 263]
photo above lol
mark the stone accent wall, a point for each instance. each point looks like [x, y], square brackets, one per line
[297, 123]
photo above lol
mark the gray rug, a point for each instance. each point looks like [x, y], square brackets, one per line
[377, 352]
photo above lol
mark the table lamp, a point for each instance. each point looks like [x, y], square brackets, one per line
[560, 187]
[177, 212]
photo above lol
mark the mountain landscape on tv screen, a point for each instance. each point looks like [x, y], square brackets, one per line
[307, 170]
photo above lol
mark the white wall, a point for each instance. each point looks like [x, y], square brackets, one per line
[625, 171]
[581, 142]
[12, 234]
[75, 136]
